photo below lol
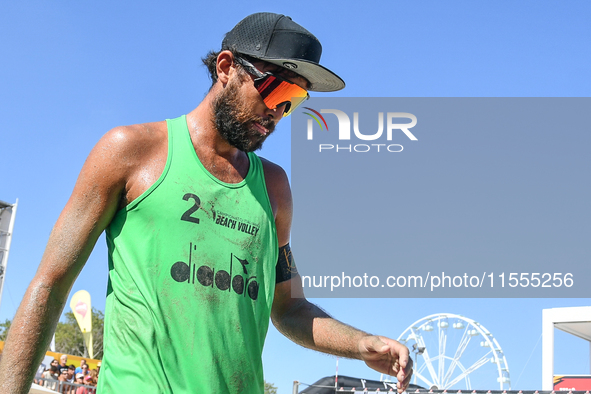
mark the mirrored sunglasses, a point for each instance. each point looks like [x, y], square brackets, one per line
[275, 90]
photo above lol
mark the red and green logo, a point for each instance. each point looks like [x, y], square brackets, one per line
[316, 119]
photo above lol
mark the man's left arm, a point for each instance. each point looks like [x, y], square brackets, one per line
[308, 325]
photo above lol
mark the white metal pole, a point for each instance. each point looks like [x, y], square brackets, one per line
[5, 246]
[547, 350]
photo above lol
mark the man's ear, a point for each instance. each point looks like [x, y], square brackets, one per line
[225, 64]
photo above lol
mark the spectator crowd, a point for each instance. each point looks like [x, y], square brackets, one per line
[69, 379]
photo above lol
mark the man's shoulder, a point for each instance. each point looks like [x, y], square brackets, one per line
[277, 187]
[128, 146]
[142, 133]
[274, 173]
[120, 155]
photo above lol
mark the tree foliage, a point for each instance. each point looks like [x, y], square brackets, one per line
[4, 329]
[270, 388]
[69, 340]
[68, 337]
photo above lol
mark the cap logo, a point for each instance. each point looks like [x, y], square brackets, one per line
[290, 65]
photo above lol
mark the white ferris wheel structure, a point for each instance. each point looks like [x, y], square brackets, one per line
[454, 352]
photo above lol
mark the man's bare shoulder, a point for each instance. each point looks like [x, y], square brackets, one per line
[136, 153]
[277, 188]
[136, 139]
[126, 147]
[274, 173]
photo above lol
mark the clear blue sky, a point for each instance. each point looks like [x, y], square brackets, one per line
[73, 70]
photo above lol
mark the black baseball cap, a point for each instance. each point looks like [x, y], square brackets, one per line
[278, 40]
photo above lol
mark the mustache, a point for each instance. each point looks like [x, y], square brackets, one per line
[249, 118]
[267, 123]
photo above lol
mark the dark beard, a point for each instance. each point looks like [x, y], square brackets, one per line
[234, 122]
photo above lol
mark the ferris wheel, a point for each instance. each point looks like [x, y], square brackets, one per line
[451, 351]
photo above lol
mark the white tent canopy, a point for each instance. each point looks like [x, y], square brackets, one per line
[575, 321]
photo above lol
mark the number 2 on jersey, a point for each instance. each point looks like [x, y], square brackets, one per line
[187, 215]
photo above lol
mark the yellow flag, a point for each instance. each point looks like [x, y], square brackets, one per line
[80, 305]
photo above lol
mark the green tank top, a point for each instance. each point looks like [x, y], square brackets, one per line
[191, 281]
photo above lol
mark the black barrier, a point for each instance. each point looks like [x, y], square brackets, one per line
[347, 384]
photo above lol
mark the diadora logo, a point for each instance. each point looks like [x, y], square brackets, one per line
[241, 284]
[393, 122]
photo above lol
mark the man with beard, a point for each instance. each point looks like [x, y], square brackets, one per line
[198, 230]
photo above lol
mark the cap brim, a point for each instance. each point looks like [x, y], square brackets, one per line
[321, 78]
